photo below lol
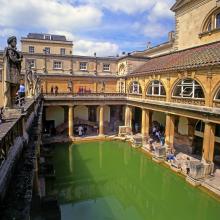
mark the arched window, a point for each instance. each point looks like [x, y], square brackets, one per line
[156, 88]
[188, 88]
[212, 21]
[135, 88]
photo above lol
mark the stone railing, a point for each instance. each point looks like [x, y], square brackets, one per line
[133, 95]
[9, 131]
[189, 101]
[16, 122]
[84, 95]
[156, 98]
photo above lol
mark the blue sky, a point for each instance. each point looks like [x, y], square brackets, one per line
[107, 27]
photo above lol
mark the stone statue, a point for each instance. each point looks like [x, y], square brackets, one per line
[12, 68]
[29, 84]
[32, 81]
[14, 59]
[70, 85]
[37, 83]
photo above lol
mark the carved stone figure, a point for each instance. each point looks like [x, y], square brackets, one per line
[13, 59]
[37, 85]
[12, 68]
[29, 84]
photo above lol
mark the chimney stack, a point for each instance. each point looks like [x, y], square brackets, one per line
[148, 45]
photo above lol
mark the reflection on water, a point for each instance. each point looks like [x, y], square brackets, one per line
[110, 180]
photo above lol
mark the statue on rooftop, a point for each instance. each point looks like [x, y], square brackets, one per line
[12, 68]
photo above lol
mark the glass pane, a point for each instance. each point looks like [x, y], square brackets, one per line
[177, 91]
[218, 20]
[156, 90]
[149, 90]
[199, 92]
[163, 92]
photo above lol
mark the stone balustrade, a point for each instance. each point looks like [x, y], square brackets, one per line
[188, 101]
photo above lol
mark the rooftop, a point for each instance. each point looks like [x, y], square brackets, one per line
[206, 55]
[41, 36]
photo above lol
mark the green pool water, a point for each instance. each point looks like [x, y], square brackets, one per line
[112, 181]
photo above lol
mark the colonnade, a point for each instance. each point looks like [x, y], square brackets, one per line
[71, 120]
[208, 137]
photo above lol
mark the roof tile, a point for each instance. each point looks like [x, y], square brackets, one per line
[205, 55]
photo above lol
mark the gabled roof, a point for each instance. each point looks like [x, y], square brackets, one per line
[206, 55]
[179, 4]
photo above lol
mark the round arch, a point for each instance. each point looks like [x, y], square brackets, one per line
[155, 88]
[208, 20]
[134, 87]
[188, 88]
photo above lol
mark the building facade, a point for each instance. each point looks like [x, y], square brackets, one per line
[176, 83]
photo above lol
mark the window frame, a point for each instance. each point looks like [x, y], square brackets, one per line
[86, 66]
[64, 51]
[109, 67]
[47, 37]
[210, 24]
[184, 85]
[132, 88]
[57, 67]
[34, 62]
[153, 85]
[47, 50]
[29, 49]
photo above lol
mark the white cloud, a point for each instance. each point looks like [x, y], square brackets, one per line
[133, 6]
[155, 30]
[87, 47]
[47, 14]
[5, 32]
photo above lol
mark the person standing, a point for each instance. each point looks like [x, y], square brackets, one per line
[80, 130]
[51, 89]
[21, 94]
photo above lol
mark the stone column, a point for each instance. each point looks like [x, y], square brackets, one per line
[209, 142]
[143, 124]
[145, 128]
[70, 120]
[101, 120]
[170, 126]
[128, 116]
